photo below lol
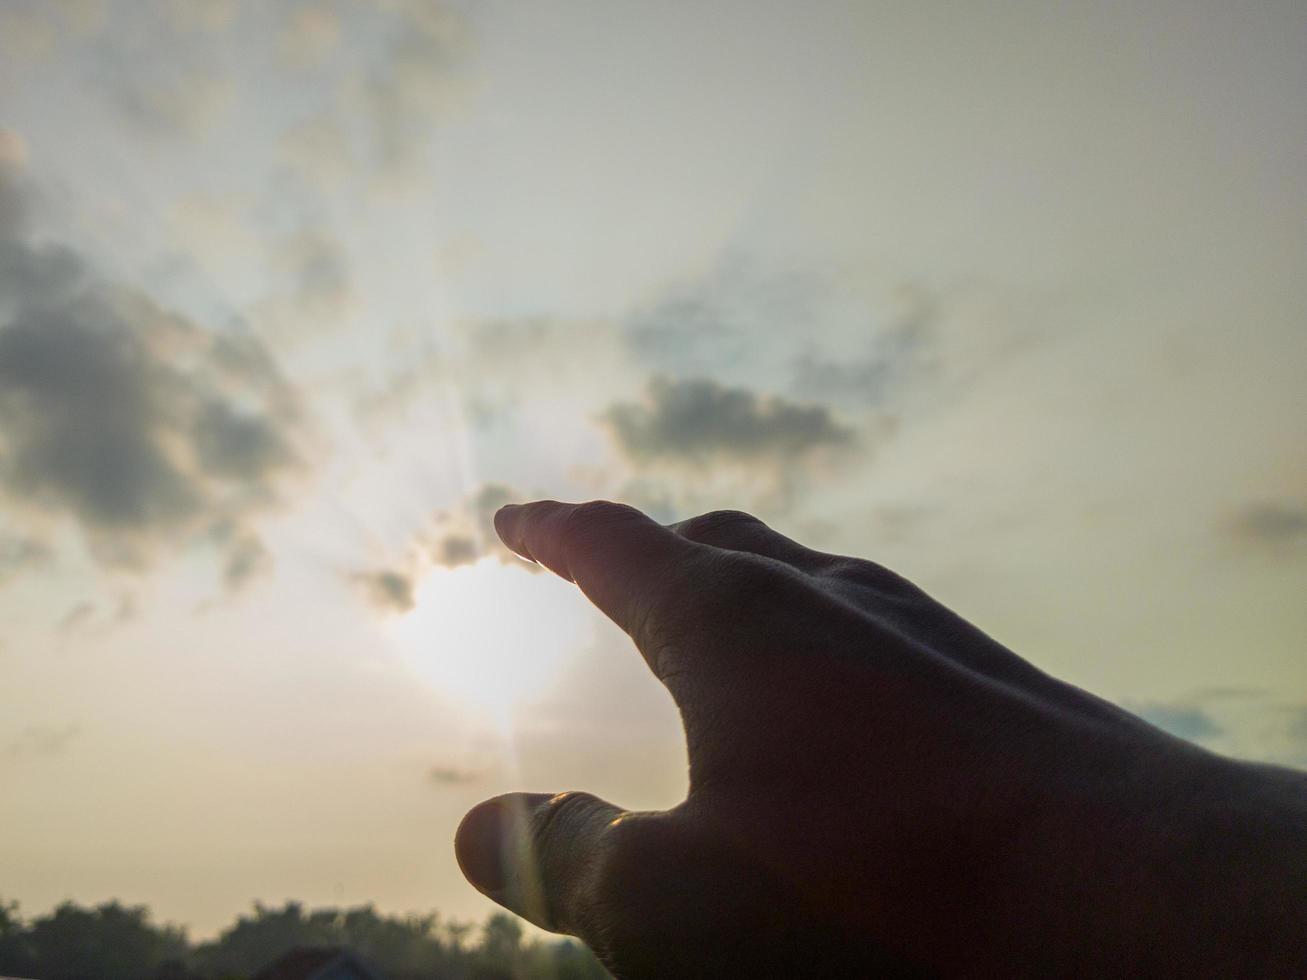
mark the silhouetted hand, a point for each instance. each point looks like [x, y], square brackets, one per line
[877, 788]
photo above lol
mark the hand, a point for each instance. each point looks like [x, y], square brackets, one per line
[877, 788]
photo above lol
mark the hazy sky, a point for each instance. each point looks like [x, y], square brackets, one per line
[1007, 296]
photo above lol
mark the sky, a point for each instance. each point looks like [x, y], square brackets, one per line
[1007, 296]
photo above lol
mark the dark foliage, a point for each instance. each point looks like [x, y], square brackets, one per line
[117, 942]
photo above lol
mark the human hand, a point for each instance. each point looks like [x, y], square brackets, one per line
[878, 788]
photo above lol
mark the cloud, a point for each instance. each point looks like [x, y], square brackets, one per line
[42, 741]
[140, 425]
[390, 590]
[453, 775]
[77, 617]
[319, 149]
[1243, 722]
[466, 533]
[1270, 524]
[699, 420]
[311, 289]
[245, 555]
[28, 34]
[414, 80]
[1296, 729]
[211, 16]
[20, 553]
[890, 355]
[456, 549]
[169, 98]
[158, 68]
[707, 324]
[310, 34]
[319, 270]
[184, 105]
[1185, 721]
[457, 536]
[829, 336]
[96, 618]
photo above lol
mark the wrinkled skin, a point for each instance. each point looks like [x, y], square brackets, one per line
[877, 788]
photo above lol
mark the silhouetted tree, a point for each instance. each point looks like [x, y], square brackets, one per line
[115, 942]
[15, 953]
[109, 942]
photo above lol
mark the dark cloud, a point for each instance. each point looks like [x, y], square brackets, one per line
[237, 445]
[700, 419]
[1272, 524]
[390, 590]
[1187, 721]
[461, 535]
[456, 549]
[139, 424]
[486, 500]
[41, 741]
[466, 534]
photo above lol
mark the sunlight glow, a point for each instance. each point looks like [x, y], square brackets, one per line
[490, 635]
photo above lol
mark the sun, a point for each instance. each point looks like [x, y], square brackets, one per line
[492, 635]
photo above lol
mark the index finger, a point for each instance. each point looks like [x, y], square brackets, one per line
[626, 563]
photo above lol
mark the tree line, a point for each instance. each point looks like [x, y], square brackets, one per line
[113, 941]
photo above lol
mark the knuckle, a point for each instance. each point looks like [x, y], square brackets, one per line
[553, 819]
[713, 525]
[585, 525]
[595, 516]
[635, 852]
[873, 576]
[558, 850]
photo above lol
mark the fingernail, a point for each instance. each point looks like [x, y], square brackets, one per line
[479, 846]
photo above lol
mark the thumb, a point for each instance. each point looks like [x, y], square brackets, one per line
[538, 855]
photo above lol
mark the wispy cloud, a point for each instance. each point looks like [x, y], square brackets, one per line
[418, 75]
[1273, 525]
[454, 775]
[1244, 722]
[42, 741]
[1187, 721]
[20, 553]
